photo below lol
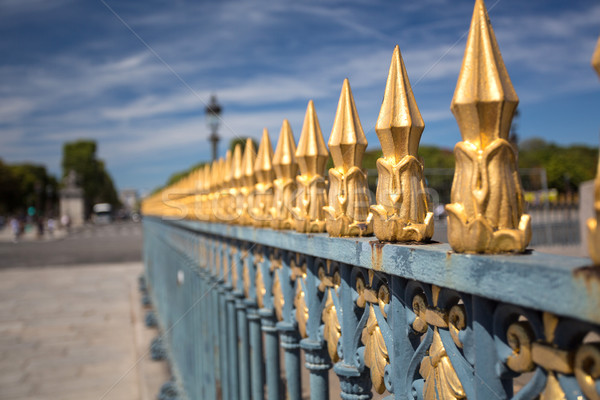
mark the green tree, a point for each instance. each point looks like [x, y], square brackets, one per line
[566, 167]
[97, 185]
[26, 185]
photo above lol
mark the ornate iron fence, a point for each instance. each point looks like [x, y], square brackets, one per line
[259, 254]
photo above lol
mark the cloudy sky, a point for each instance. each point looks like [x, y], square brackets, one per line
[135, 75]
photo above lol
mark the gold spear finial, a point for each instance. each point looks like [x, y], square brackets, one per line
[226, 170]
[248, 181]
[235, 200]
[203, 190]
[592, 223]
[347, 131]
[264, 160]
[402, 211]
[237, 169]
[286, 169]
[348, 209]
[225, 175]
[486, 214]
[596, 58]
[212, 189]
[263, 195]
[312, 157]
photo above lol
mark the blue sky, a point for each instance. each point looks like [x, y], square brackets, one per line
[138, 83]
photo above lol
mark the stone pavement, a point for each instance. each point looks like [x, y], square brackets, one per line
[75, 333]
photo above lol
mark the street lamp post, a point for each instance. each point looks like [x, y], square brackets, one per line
[213, 120]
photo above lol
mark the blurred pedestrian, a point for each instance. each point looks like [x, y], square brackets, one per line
[39, 222]
[15, 226]
[65, 221]
[51, 226]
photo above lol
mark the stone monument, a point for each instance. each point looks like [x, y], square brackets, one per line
[71, 200]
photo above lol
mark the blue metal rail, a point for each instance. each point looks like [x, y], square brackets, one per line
[408, 321]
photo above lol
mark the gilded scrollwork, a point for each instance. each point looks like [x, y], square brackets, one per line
[587, 369]
[529, 353]
[376, 355]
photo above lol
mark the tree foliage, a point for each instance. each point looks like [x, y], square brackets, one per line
[26, 185]
[97, 185]
[566, 166]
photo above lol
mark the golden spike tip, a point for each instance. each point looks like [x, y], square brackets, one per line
[248, 162]
[236, 167]
[399, 125]
[312, 153]
[227, 169]
[284, 160]
[347, 142]
[263, 165]
[484, 100]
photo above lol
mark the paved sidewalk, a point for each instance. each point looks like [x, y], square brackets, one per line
[74, 333]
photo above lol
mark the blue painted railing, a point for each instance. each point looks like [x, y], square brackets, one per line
[408, 321]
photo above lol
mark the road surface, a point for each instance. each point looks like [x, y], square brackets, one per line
[93, 244]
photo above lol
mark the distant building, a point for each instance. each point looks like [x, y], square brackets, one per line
[130, 200]
[72, 201]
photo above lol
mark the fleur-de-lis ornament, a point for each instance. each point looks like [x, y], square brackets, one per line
[286, 169]
[311, 156]
[348, 209]
[262, 199]
[402, 212]
[332, 330]
[247, 181]
[592, 223]
[376, 352]
[486, 214]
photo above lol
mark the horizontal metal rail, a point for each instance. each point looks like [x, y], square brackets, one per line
[413, 321]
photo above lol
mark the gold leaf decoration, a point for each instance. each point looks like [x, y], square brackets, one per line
[333, 330]
[278, 299]
[376, 353]
[301, 309]
[260, 288]
[441, 381]
[246, 278]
